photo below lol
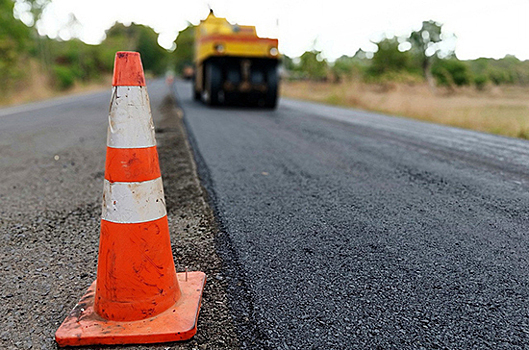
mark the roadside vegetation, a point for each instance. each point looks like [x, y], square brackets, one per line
[502, 110]
[415, 76]
[419, 76]
[35, 67]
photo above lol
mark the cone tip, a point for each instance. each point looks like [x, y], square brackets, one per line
[128, 70]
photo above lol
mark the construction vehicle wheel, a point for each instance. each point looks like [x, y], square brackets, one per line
[196, 95]
[213, 83]
[272, 82]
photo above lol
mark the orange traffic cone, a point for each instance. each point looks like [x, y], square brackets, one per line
[138, 297]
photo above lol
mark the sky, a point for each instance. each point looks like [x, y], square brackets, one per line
[483, 28]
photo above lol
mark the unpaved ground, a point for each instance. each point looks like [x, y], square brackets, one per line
[497, 110]
[49, 230]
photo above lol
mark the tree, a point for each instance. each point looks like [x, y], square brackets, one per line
[135, 38]
[12, 28]
[347, 67]
[450, 72]
[313, 65]
[35, 9]
[154, 56]
[288, 63]
[425, 44]
[185, 48]
[389, 58]
[15, 37]
[507, 70]
[343, 67]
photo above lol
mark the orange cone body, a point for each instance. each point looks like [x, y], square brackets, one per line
[138, 297]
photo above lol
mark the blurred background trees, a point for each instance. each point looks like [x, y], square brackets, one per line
[424, 55]
[26, 56]
[424, 47]
[15, 39]
[389, 59]
[312, 65]
[184, 48]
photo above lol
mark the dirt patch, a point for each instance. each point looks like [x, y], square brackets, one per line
[49, 258]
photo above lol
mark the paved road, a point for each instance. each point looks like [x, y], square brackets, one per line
[344, 229]
[72, 128]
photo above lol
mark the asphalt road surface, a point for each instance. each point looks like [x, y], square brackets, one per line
[338, 229]
[343, 229]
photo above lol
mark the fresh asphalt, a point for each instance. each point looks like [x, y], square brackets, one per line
[344, 229]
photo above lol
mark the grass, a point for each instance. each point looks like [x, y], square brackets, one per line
[497, 110]
[38, 87]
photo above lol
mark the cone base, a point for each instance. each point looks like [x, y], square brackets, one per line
[85, 327]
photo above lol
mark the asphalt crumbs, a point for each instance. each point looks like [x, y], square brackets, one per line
[343, 229]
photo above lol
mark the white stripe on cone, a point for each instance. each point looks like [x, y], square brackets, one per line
[130, 122]
[133, 202]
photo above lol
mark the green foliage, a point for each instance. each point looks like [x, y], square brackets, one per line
[499, 76]
[135, 38]
[347, 67]
[313, 65]
[13, 29]
[388, 58]
[83, 61]
[288, 63]
[185, 48]
[154, 57]
[15, 38]
[508, 70]
[422, 59]
[425, 41]
[68, 62]
[36, 8]
[451, 72]
[118, 38]
[64, 77]
[425, 45]
[481, 81]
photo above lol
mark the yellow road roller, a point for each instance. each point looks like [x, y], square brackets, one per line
[233, 66]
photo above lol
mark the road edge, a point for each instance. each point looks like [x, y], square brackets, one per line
[239, 293]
